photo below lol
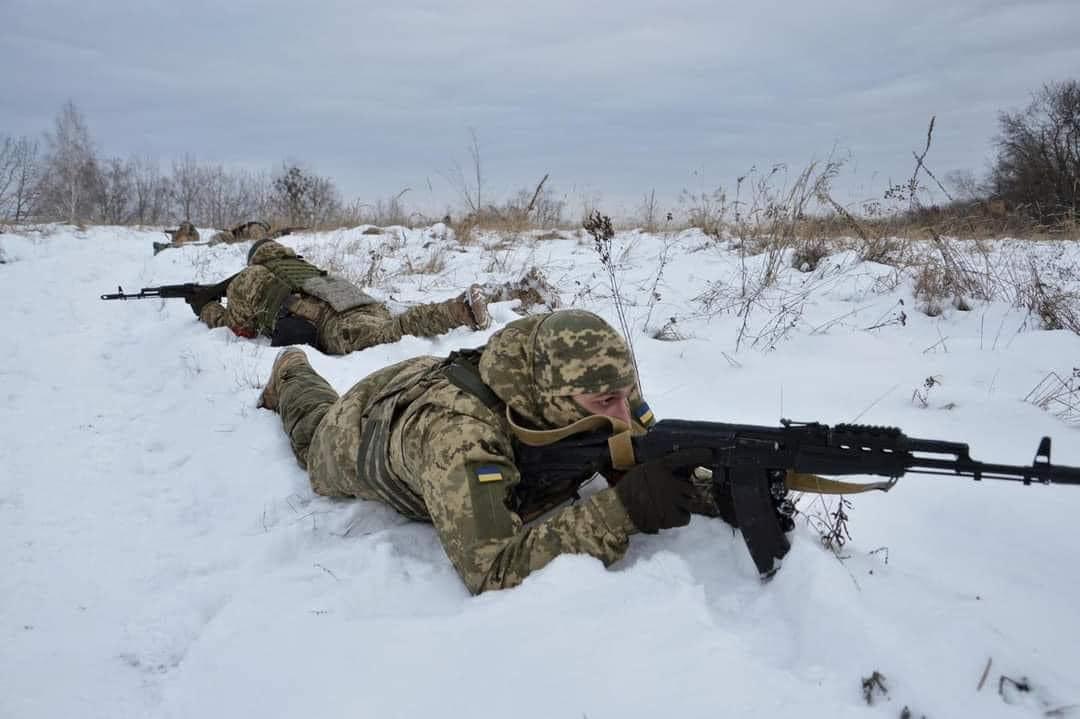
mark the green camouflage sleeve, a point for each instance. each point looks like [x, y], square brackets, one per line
[213, 315]
[242, 307]
[466, 474]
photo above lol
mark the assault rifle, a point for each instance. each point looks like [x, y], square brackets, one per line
[201, 294]
[159, 246]
[753, 467]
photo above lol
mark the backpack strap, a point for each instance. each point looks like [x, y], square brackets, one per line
[462, 368]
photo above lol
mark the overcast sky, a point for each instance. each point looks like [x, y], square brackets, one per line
[612, 99]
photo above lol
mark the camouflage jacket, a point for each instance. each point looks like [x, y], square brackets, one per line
[447, 457]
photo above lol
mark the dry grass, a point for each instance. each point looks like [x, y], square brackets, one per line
[1058, 396]
[432, 262]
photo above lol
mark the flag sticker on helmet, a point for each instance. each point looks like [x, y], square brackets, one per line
[489, 473]
[644, 414]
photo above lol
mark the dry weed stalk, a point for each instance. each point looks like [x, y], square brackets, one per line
[432, 263]
[1058, 396]
[830, 521]
[599, 226]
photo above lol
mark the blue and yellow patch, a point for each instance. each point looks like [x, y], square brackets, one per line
[489, 473]
[644, 414]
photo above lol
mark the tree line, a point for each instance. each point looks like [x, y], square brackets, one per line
[62, 178]
[1035, 174]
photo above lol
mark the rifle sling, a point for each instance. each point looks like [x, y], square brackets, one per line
[802, 482]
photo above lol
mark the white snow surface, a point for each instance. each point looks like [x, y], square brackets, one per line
[162, 554]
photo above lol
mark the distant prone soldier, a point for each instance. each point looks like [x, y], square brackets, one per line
[184, 234]
[286, 298]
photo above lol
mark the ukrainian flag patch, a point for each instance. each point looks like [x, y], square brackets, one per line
[644, 414]
[489, 473]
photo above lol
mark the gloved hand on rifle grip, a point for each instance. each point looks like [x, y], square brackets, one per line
[199, 300]
[659, 494]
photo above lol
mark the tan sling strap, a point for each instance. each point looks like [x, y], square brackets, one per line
[803, 482]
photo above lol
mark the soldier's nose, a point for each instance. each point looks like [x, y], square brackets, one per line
[621, 412]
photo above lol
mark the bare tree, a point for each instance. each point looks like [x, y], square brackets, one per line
[115, 192]
[9, 167]
[254, 195]
[24, 192]
[186, 188]
[70, 178]
[1038, 162]
[217, 202]
[150, 191]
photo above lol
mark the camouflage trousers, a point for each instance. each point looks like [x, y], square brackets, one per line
[324, 428]
[372, 325]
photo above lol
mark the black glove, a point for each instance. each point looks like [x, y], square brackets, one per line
[199, 300]
[659, 494]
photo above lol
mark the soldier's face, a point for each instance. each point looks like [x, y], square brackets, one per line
[610, 404]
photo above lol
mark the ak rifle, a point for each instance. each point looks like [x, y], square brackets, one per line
[753, 467]
[185, 291]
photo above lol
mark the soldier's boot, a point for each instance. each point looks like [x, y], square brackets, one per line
[477, 303]
[532, 289]
[286, 358]
[469, 309]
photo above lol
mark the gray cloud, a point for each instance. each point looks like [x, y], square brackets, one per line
[610, 98]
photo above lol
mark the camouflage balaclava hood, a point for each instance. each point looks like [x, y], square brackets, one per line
[265, 250]
[536, 364]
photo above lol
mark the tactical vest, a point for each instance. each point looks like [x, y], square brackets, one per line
[290, 273]
[295, 275]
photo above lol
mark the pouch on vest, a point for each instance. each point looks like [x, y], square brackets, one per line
[372, 463]
[337, 292]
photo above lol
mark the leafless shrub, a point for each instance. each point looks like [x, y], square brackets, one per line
[706, 210]
[1055, 307]
[960, 276]
[302, 197]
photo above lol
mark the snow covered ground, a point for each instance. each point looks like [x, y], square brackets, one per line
[161, 554]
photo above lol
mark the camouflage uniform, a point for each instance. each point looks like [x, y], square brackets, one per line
[183, 235]
[257, 293]
[254, 230]
[410, 437]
